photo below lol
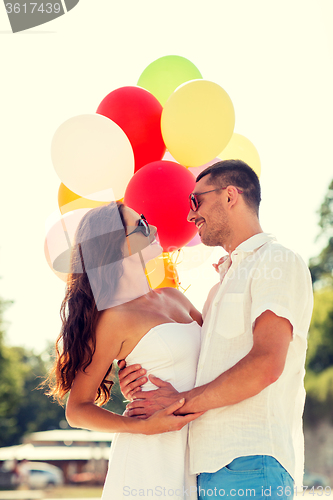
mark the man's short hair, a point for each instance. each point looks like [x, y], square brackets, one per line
[236, 173]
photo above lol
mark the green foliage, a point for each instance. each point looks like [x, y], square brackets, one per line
[11, 390]
[320, 349]
[116, 402]
[24, 407]
[321, 267]
[11, 382]
[326, 211]
[319, 364]
[320, 386]
[36, 411]
[319, 397]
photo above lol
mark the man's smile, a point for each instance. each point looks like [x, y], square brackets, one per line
[199, 224]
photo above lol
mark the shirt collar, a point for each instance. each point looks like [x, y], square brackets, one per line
[247, 246]
[253, 243]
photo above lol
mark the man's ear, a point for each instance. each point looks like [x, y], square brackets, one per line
[232, 194]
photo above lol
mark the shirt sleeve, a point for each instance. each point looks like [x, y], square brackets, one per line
[281, 283]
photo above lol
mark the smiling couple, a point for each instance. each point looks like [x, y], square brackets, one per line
[236, 372]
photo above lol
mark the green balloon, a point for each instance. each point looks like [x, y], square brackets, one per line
[163, 76]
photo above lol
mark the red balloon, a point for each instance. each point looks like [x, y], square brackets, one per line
[160, 191]
[138, 113]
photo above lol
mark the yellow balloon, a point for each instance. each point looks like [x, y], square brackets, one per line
[197, 122]
[68, 200]
[161, 272]
[240, 148]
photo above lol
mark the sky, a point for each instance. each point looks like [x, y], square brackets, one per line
[273, 59]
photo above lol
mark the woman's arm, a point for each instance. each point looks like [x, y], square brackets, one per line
[81, 410]
[98, 419]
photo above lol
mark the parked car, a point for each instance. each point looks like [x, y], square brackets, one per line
[42, 475]
[8, 480]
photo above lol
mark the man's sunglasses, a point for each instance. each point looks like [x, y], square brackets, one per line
[142, 227]
[194, 202]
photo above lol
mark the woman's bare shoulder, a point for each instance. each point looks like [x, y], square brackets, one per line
[176, 294]
[114, 322]
[172, 292]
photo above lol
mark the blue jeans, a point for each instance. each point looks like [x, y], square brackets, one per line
[259, 476]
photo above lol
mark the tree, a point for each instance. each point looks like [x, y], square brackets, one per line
[319, 364]
[321, 267]
[320, 350]
[24, 407]
[36, 412]
[326, 212]
[116, 402]
[11, 384]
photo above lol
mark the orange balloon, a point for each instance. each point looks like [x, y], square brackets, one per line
[68, 200]
[161, 272]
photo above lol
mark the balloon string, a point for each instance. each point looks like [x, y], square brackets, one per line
[174, 257]
[177, 254]
[184, 290]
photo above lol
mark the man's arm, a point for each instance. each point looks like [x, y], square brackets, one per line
[252, 374]
[261, 367]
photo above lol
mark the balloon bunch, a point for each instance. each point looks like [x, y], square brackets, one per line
[119, 152]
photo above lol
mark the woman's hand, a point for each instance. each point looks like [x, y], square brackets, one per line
[165, 420]
[130, 379]
[146, 403]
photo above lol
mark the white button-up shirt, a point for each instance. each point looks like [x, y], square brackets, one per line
[259, 275]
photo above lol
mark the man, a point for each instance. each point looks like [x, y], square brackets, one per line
[254, 336]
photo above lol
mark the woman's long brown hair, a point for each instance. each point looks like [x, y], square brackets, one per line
[99, 243]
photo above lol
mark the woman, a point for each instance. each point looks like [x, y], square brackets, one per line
[109, 312]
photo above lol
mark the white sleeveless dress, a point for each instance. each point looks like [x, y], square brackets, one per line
[156, 466]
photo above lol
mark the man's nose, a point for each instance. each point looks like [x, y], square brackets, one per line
[191, 216]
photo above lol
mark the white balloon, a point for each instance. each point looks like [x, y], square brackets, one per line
[60, 233]
[93, 157]
[191, 257]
